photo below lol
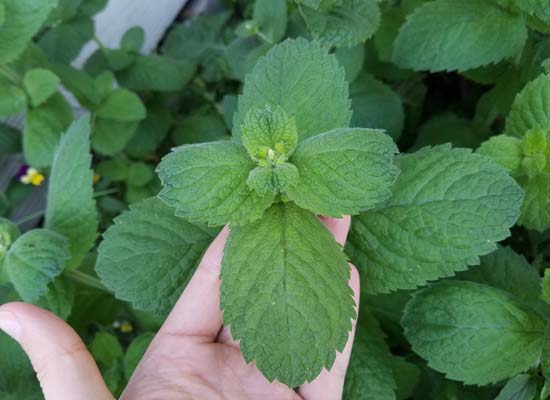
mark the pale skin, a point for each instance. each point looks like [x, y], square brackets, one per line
[192, 356]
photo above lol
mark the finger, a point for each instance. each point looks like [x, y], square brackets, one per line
[339, 227]
[197, 313]
[330, 384]
[64, 367]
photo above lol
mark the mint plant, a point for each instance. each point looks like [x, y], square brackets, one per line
[425, 120]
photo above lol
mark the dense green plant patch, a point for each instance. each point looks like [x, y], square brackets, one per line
[427, 121]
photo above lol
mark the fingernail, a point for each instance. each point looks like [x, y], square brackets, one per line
[10, 324]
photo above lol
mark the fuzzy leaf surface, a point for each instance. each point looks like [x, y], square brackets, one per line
[40, 84]
[344, 171]
[206, 183]
[460, 327]
[285, 294]
[34, 260]
[305, 81]
[148, 255]
[449, 35]
[71, 206]
[448, 207]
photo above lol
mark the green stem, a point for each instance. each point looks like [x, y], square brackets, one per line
[10, 74]
[30, 217]
[100, 44]
[261, 35]
[105, 192]
[85, 279]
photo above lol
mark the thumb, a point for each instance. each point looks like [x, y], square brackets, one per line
[64, 367]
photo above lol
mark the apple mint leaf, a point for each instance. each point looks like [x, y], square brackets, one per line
[63, 42]
[110, 137]
[206, 183]
[305, 81]
[135, 353]
[122, 105]
[277, 179]
[505, 150]
[12, 99]
[535, 209]
[345, 24]
[523, 386]
[34, 260]
[22, 19]
[44, 125]
[40, 84]
[59, 297]
[79, 83]
[71, 207]
[9, 232]
[269, 136]
[156, 73]
[440, 35]
[148, 255]
[133, 39]
[370, 373]
[539, 9]
[375, 105]
[529, 108]
[271, 18]
[285, 294]
[460, 327]
[448, 207]
[344, 171]
[507, 270]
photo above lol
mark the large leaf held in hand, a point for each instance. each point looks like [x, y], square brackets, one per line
[285, 294]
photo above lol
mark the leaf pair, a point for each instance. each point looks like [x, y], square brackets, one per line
[524, 150]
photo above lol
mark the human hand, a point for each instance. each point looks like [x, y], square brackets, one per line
[192, 356]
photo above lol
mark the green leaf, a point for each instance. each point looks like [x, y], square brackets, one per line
[271, 18]
[34, 260]
[206, 182]
[529, 108]
[71, 207]
[521, 387]
[63, 43]
[535, 8]
[370, 372]
[277, 179]
[23, 18]
[151, 131]
[140, 174]
[509, 271]
[12, 100]
[375, 105]
[17, 377]
[392, 19]
[448, 128]
[156, 73]
[535, 209]
[344, 171]
[448, 207]
[442, 36]
[285, 294]
[505, 150]
[305, 81]
[352, 59]
[135, 352]
[2, 14]
[133, 39]
[40, 84]
[59, 298]
[44, 125]
[115, 169]
[472, 332]
[108, 353]
[122, 105]
[406, 377]
[200, 128]
[10, 140]
[148, 255]
[80, 84]
[110, 137]
[345, 24]
[269, 136]
[9, 232]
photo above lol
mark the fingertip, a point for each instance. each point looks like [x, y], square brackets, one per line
[339, 227]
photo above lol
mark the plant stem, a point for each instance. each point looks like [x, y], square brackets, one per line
[85, 279]
[10, 74]
[105, 192]
[30, 217]
[261, 35]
